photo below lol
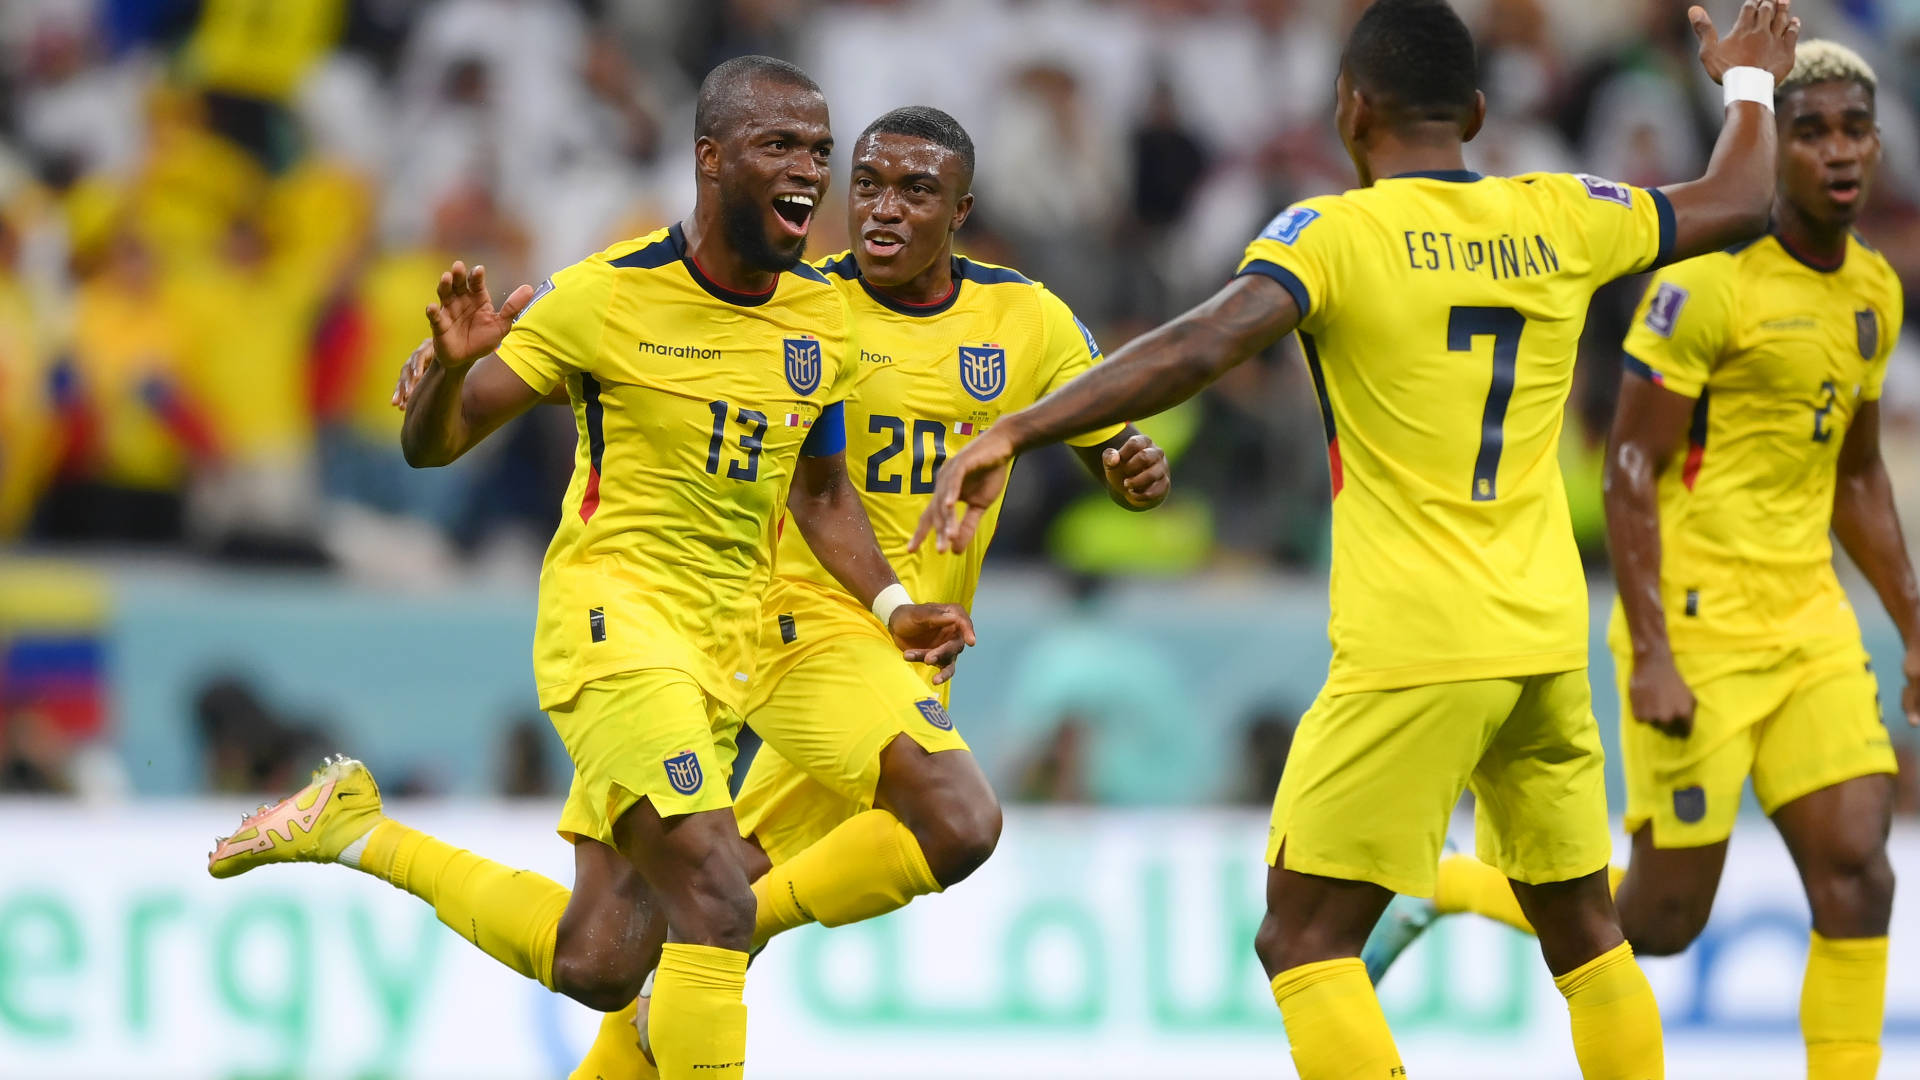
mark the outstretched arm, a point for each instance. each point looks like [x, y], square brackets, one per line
[1648, 426]
[1869, 529]
[1133, 469]
[1730, 203]
[1151, 374]
[467, 392]
[827, 510]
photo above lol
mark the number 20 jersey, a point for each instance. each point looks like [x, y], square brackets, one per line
[693, 403]
[1440, 318]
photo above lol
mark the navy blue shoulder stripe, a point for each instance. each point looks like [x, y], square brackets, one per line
[652, 257]
[843, 266]
[990, 275]
[809, 273]
[1744, 245]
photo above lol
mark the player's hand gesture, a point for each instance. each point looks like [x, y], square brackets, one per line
[1764, 35]
[933, 634]
[1910, 697]
[1137, 471]
[975, 476]
[1659, 696]
[412, 370]
[466, 325]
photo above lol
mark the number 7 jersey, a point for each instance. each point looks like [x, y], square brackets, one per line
[1440, 316]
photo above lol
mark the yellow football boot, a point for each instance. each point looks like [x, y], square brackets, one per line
[340, 805]
[617, 1052]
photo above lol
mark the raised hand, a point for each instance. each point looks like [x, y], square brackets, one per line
[1137, 470]
[975, 476]
[1659, 696]
[466, 325]
[412, 370]
[933, 634]
[1763, 35]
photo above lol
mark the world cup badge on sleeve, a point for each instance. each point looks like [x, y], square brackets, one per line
[683, 772]
[983, 370]
[1866, 326]
[803, 363]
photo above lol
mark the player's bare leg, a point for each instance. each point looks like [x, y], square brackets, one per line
[945, 801]
[1309, 943]
[1838, 839]
[693, 866]
[1666, 894]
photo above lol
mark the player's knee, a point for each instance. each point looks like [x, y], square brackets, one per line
[1271, 946]
[959, 840]
[1850, 889]
[1666, 928]
[604, 980]
[721, 913]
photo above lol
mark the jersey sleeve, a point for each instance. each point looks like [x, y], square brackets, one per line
[559, 332]
[1626, 229]
[1683, 324]
[1891, 317]
[1297, 249]
[1070, 351]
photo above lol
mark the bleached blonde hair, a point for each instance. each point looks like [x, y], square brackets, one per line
[1820, 60]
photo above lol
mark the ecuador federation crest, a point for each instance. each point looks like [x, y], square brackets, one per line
[983, 370]
[1866, 327]
[935, 713]
[683, 772]
[803, 363]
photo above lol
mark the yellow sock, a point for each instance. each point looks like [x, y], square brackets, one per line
[1334, 1022]
[698, 1020]
[512, 915]
[615, 1053]
[1843, 1001]
[1616, 1023]
[868, 865]
[1467, 884]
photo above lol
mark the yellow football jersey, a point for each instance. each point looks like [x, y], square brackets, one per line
[1778, 356]
[931, 378]
[692, 402]
[1439, 317]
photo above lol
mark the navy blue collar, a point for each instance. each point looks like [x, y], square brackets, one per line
[849, 267]
[678, 239]
[1451, 176]
[1796, 257]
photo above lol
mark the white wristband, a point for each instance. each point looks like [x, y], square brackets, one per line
[1748, 84]
[893, 596]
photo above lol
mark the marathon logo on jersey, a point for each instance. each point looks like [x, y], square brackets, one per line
[1690, 804]
[935, 713]
[1866, 327]
[1663, 311]
[1607, 190]
[1287, 227]
[683, 772]
[983, 370]
[803, 363]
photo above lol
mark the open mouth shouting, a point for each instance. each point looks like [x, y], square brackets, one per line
[795, 211]
[882, 243]
[1844, 192]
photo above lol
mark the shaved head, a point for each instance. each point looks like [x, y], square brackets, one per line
[727, 93]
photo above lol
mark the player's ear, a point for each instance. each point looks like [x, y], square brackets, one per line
[960, 211]
[706, 157]
[1476, 118]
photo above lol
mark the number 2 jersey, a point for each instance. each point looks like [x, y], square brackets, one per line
[1440, 314]
[693, 403]
[1778, 356]
[931, 378]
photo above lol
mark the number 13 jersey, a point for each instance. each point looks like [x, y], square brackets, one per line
[1440, 316]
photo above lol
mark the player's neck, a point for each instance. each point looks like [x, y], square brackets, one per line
[928, 287]
[720, 263]
[1396, 157]
[1811, 242]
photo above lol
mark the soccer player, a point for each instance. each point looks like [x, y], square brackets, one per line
[1439, 312]
[706, 366]
[864, 795]
[1748, 427]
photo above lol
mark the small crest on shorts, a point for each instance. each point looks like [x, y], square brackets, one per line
[1690, 804]
[1607, 190]
[683, 772]
[803, 363]
[1866, 327]
[1663, 311]
[983, 370]
[935, 713]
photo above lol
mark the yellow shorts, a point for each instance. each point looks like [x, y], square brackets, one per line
[827, 710]
[1374, 775]
[1797, 719]
[652, 734]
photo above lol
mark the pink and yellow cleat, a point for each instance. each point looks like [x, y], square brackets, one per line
[340, 805]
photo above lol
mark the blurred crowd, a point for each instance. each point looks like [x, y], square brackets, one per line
[220, 220]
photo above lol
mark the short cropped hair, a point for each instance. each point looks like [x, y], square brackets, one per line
[1415, 57]
[931, 124]
[1819, 61]
[723, 92]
